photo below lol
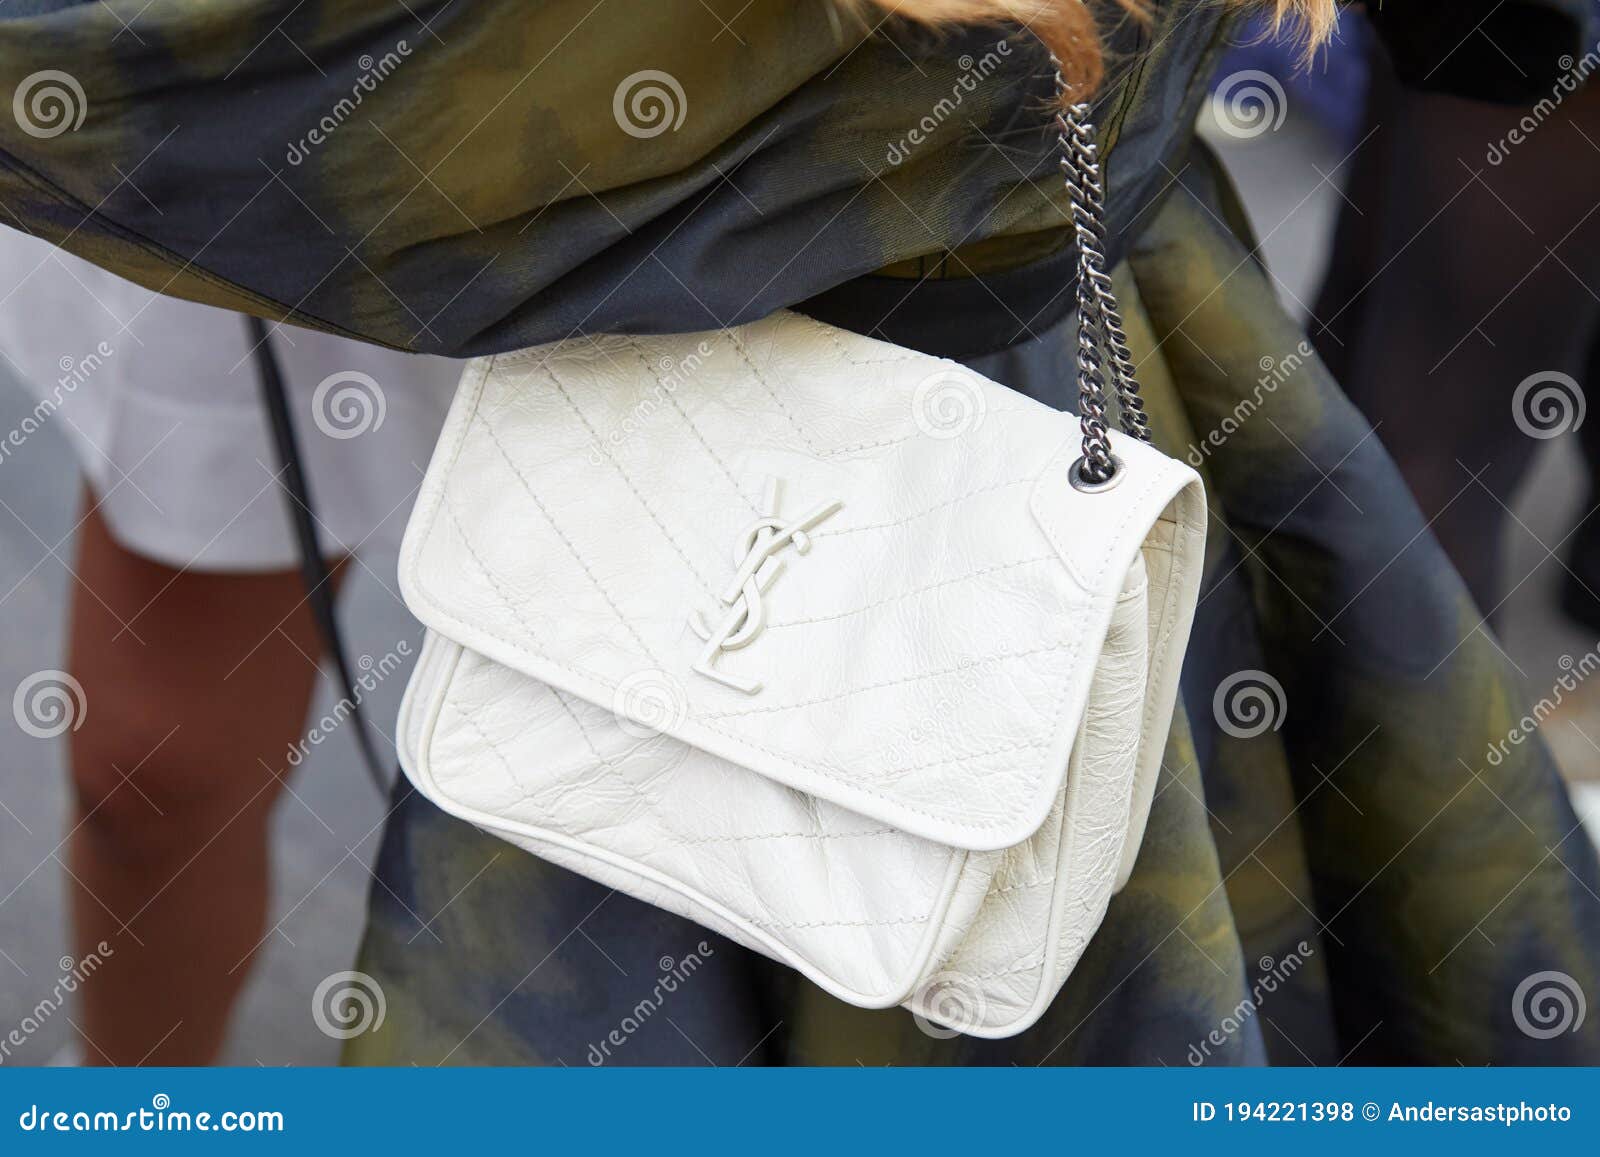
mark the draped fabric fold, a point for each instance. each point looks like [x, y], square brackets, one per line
[462, 179]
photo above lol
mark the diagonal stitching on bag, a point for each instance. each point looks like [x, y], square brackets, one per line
[992, 973]
[562, 698]
[693, 429]
[918, 677]
[1001, 411]
[826, 771]
[461, 532]
[516, 611]
[837, 774]
[816, 451]
[681, 841]
[999, 749]
[528, 794]
[566, 706]
[1048, 881]
[793, 835]
[577, 557]
[653, 804]
[594, 436]
[831, 333]
[803, 924]
[511, 775]
[938, 506]
[744, 356]
[922, 590]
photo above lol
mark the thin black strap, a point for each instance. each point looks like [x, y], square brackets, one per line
[314, 570]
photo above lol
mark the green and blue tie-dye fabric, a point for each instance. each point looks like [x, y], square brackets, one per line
[480, 177]
[1376, 875]
[1366, 872]
[464, 178]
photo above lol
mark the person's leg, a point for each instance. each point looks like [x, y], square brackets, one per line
[196, 685]
[1481, 280]
[1355, 258]
[1580, 582]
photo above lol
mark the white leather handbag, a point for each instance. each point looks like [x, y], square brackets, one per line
[836, 648]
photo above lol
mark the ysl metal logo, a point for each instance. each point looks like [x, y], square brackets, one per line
[756, 568]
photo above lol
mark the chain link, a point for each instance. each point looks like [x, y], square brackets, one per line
[1102, 341]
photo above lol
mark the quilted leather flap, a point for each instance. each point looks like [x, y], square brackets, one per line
[854, 569]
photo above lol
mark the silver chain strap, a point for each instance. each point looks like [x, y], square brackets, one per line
[1099, 318]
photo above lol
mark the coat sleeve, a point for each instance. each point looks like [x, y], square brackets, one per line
[442, 177]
